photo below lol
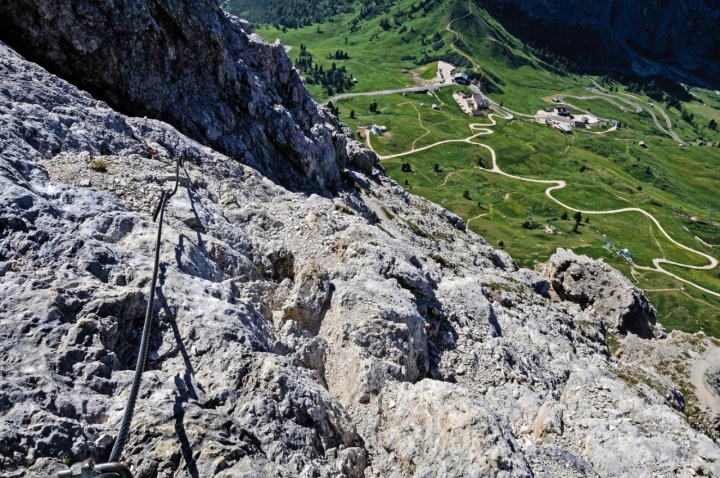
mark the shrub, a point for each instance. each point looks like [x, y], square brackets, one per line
[99, 165]
[441, 260]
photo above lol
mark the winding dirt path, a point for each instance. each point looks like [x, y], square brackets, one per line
[447, 177]
[457, 37]
[559, 184]
[479, 216]
[479, 129]
[669, 131]
[427, 131]
[555, 184]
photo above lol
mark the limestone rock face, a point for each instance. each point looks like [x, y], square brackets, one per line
[595, 284]
[194, 66]
[358, 332]
[439, 429]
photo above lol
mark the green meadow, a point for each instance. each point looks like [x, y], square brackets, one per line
[678, 186]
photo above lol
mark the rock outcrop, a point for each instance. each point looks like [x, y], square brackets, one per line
[358, 332]
[192, 65]
[606, 292]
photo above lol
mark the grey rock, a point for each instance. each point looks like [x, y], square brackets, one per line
[361, 158]
[439, 429]
[712, 378]
[236, 92]
[536, 282]
[309, 297]
[295, 334]
[548, 420]
[595, 284]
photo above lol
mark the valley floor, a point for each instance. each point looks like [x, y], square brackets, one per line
[627, 174]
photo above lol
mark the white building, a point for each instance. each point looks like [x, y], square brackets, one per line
[563, 128]
[462, 78]
[376, 129]
[481, 101]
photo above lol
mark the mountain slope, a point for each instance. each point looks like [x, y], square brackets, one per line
[289, 14]
[361, 331]
[188, 64]
[676, 38]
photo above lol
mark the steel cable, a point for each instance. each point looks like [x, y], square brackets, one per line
[144, 342]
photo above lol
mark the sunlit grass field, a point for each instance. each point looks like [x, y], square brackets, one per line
[609, 171]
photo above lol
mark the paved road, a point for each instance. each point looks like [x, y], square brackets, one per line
[409, 89]
[638, 109]
[597, 94]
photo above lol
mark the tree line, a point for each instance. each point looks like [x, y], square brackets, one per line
[281, 13]
[333, 80]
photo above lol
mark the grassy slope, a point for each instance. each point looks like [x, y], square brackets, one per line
[618, 173]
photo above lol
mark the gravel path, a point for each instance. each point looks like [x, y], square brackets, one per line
[482, 129]
[559, 184]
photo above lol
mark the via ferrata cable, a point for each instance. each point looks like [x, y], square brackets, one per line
[122, 437]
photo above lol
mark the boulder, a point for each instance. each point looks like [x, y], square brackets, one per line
[595, 285]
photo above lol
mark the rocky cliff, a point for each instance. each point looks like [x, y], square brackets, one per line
[356, 332]
[679, 38]
[192, 65]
